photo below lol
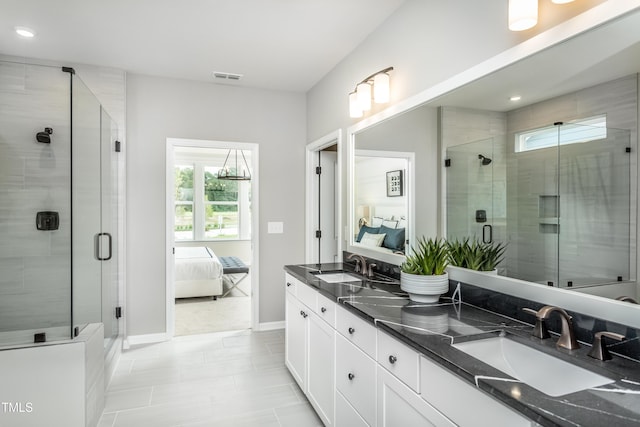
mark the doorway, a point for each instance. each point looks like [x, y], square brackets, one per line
[212, 250]
[324, 201]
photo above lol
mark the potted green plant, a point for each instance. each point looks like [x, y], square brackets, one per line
[475, 255]
[423, 274]
[492, 255]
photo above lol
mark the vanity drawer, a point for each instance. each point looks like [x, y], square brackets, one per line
[356, 378]
[326, 310]
[437, 386]
[307, 295]
[399, 359]
[290, 283]
[356, 330]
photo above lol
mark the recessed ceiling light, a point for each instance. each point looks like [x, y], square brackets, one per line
[25, 32]
[515, 98]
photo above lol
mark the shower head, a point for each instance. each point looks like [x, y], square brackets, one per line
[485, 160]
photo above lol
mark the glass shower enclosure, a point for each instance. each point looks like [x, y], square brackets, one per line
[58, 207]
[560, 197]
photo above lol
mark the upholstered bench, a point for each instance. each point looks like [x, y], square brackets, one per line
[232, 266]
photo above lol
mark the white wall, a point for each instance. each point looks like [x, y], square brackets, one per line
[158, 108]
[427, 42]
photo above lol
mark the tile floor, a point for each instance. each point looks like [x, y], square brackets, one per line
[221, 379]
[203, 315]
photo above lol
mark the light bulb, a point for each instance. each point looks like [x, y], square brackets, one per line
[381, 88]
[354, 106]
[364, 96]
[523, 14]
[25, 32]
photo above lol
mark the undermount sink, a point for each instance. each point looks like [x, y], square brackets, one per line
[338, 277]
[550, 375]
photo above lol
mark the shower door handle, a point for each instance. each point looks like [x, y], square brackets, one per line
[98, 252]
[487, 237]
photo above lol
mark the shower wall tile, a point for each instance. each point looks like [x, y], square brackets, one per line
[12, 278]
[34, 265]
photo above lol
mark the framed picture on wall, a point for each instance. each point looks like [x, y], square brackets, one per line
[394, 183]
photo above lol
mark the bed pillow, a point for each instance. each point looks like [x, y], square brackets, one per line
[366, 229]
[376, 221]
[394, 238]
[372, 239]
[389, 223]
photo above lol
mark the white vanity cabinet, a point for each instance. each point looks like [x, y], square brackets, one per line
[309, 346]
[356, 375]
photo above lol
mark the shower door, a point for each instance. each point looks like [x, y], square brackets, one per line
[594, 205]
[95, 214]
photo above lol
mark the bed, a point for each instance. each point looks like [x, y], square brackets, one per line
[198, 273]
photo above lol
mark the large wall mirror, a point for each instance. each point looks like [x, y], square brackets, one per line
[562, 195]
[384, 163]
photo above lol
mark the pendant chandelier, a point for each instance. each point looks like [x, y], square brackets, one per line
[232, 171]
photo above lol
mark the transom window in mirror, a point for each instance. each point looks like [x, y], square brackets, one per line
[207, 208]
[574, 132]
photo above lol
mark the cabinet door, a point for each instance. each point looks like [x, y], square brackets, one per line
[356, 378]
[296, 340]
[346, 416]
[321, 372]
[398, 405]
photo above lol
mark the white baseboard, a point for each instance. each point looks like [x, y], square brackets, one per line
[145, 339]
[271, 326]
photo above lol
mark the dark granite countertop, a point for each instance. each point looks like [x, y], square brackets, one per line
[431, 329]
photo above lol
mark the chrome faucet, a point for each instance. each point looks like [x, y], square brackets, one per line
[567, 336]
[361, 263]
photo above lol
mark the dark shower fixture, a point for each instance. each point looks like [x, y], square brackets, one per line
[485, 160]
[44, 136]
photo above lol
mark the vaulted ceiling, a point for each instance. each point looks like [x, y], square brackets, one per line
[274, 44]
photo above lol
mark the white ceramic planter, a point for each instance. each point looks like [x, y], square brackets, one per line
[426, 289]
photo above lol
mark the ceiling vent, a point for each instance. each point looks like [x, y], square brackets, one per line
[218, 75]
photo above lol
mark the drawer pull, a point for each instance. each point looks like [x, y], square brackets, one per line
[303, 314]
[288, 284]
[323, 309]
[351, 331]
[351, 376]
[393, 359]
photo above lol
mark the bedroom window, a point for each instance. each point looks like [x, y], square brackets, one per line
[183, 202]
[207, 208]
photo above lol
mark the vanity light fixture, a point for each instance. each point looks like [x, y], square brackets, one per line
[25, 32]
[233, 171]
[375, 86]
[523, 14]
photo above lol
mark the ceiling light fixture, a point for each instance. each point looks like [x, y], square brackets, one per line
[233, 171]
[377, 84]
[515, 98]
[523, 14]
[25, 32]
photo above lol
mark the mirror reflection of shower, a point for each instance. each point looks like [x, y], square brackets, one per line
[485, 160]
